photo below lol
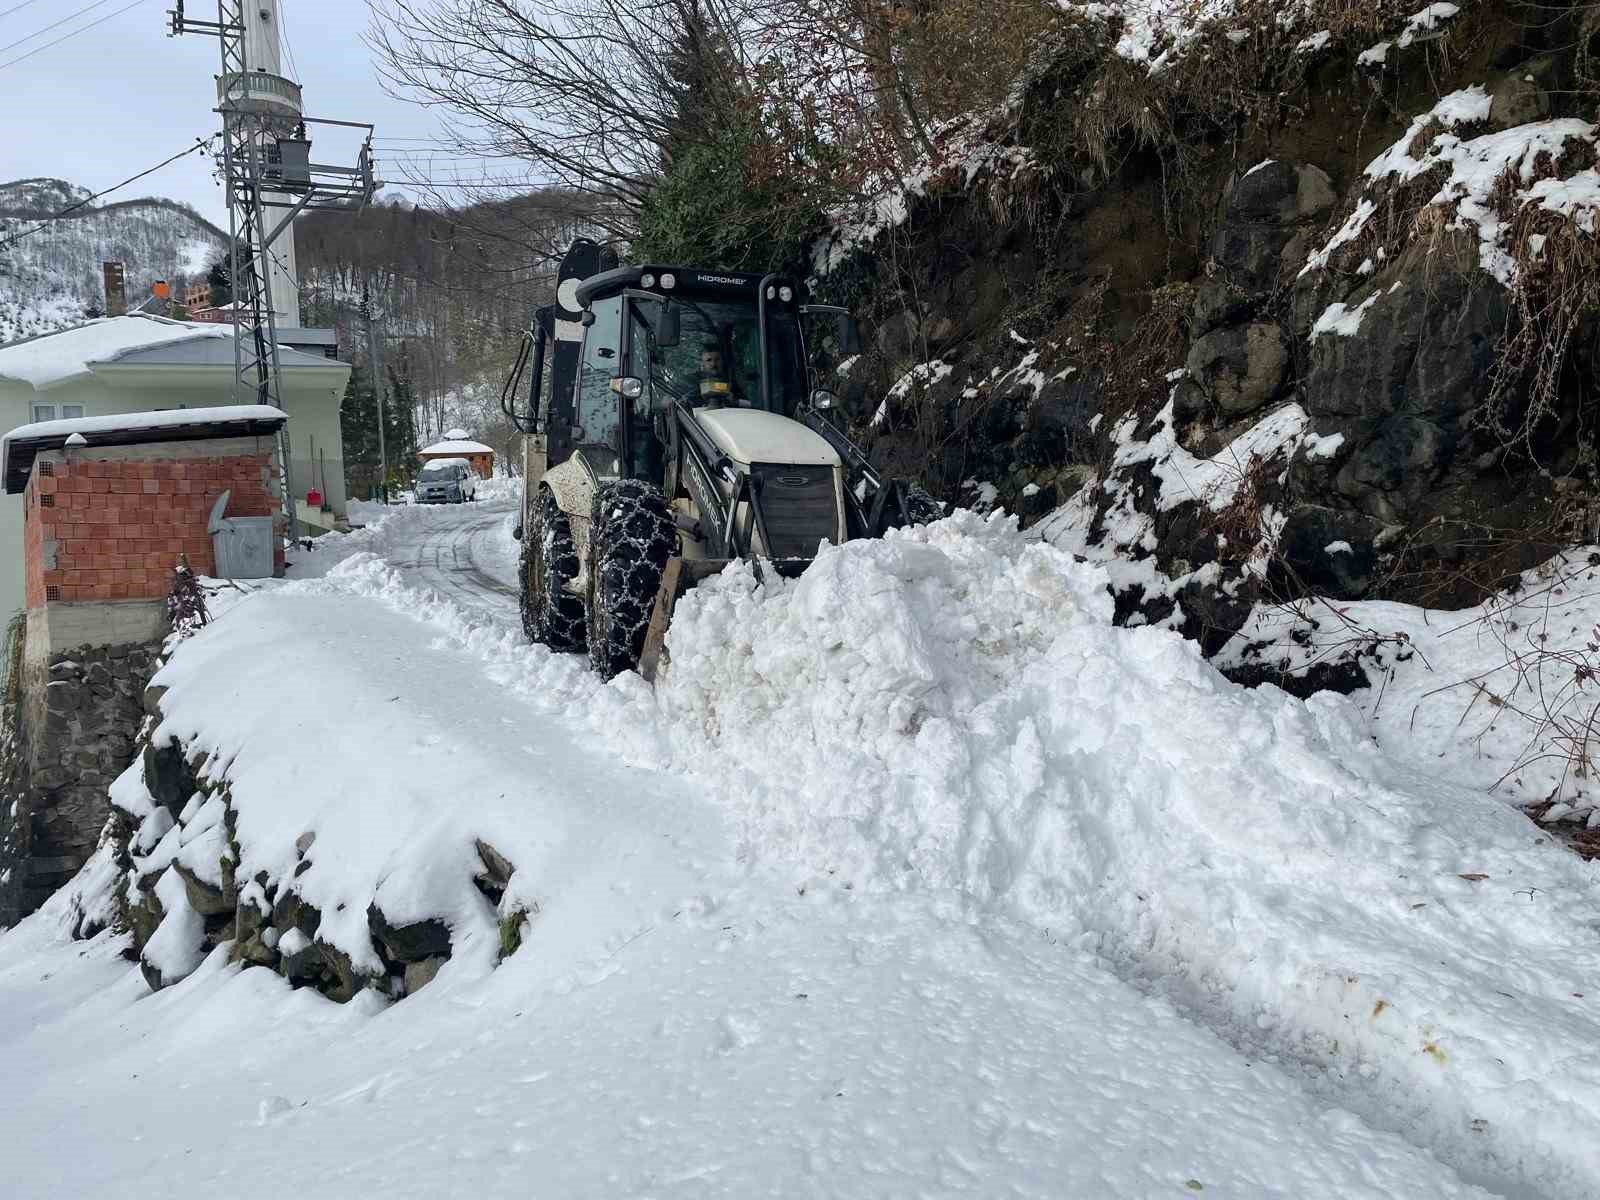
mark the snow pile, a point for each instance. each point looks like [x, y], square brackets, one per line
[1498, 698]
[1545, 163]
[947, 713]
[501, 487]
[950, 709]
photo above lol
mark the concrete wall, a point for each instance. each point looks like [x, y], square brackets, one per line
[313, 422]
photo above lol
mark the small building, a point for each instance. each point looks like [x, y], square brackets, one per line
[140, 363]
[110, 507]
[459, 444]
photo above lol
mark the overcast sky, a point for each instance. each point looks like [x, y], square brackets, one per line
[121, 96]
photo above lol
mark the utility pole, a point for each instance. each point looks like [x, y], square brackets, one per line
[373, 341]
[267, 169]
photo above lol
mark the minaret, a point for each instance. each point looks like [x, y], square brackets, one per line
[263, 52]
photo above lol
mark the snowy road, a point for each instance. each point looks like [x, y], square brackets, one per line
[815, 917]
[462, 552]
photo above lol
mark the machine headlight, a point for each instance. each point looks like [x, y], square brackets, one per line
[669, 281]
[647, 280]
[786, 294]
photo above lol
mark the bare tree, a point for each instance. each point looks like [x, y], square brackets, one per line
[577, 95]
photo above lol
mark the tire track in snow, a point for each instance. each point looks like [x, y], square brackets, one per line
[454, 557]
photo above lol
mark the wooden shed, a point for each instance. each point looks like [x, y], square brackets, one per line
[459, 444]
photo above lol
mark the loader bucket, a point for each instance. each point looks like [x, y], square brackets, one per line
[681, 575]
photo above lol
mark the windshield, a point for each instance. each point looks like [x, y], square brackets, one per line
[440, 473]
[717, 359]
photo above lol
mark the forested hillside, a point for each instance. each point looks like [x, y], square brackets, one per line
[52, 279]
[450, 289]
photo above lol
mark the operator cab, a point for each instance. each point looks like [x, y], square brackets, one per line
[659, 336]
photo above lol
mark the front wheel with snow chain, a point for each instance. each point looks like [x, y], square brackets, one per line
[921, 507]
[550, 613]
[631, 537]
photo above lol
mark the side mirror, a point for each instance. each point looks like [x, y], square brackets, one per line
[823, 399]
[670, 332]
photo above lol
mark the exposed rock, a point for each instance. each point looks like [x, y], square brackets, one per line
[1401, 386]
[1331, 552]
[409, 943]
[1240, 368]
[168, 776]
[204, 898]
[420, 974]
[496, 868]
[1517, 99]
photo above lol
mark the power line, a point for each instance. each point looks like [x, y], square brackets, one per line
[200, 145]
[83, 29]
[54, 25]
[17, 7]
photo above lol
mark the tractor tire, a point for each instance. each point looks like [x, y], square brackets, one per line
[551, 615]
[921, 507]
[631, 537]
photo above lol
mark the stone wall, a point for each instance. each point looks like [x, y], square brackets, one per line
[69, 730]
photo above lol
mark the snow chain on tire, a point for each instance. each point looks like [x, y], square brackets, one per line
[551, 614]
[922, 508]
[631, 537]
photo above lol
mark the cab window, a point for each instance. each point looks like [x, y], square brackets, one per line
[717, 359]
[599, 415]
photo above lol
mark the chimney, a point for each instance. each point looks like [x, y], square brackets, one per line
[116, 290]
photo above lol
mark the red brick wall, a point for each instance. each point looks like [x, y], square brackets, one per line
[120, 525]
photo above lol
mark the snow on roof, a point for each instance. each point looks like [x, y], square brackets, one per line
[453, 445]
[52, 359]
[20, 445]
[447, 462]
[229, 414]
[457, 435]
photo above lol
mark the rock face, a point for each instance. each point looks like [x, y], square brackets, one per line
[1240, 360]
[72, 725]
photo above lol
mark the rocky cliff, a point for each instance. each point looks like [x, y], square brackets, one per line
[1257, 308]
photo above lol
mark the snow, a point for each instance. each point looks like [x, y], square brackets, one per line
[454, 446]
[1469, 696]
[913, 875]
[1342, 320]
[166, 418]
[1475, 167]
[921, 376]
[56, 358]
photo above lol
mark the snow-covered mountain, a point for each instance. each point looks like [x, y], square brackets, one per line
[49, 279]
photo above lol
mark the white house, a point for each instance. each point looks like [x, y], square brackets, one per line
[142, 363]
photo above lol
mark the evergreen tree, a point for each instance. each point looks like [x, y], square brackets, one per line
[220, 277]
[401, 427]
[358, 423]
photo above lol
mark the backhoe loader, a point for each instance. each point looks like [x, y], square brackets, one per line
[671, 425]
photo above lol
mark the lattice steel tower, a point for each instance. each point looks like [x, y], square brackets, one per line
[269, 179]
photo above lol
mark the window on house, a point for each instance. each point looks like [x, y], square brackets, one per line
[44, 412]
[69, 411]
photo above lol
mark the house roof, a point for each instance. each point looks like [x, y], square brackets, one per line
[457, 447]
[139, 339]
[23, 444]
